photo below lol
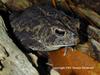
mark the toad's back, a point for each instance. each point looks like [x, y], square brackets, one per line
[44, 29]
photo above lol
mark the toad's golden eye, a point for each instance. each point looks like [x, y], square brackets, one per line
[59, 32]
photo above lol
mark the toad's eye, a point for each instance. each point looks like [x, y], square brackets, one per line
[59, 32]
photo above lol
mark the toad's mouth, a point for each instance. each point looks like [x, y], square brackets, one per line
[56, 47]
[52, 47]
